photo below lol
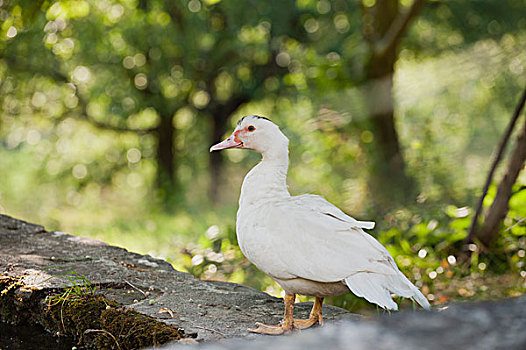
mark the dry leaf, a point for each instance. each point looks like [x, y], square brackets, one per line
[167, 310]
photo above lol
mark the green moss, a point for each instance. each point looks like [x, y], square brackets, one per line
[134, 330]
[8, 286]
[75, 314]
[93, 320]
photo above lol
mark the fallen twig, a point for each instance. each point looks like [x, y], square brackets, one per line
[105, 332]
[209, 329]
[515, 224]
[136, 288]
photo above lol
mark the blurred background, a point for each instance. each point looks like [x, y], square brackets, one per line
[393, 108]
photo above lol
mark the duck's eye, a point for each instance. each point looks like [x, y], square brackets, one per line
[251, 128]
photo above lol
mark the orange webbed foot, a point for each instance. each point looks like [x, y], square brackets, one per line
[288, 324]
[270, 330]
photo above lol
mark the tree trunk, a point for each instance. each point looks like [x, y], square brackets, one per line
[498, 210]
[216, 158]
[388, 162]
[220, 113]
[166, 180]
[383, 27]
[498, 156]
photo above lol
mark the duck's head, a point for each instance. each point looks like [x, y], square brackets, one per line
[258, 134]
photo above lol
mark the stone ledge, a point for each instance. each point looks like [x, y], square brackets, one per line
[213, 310]
[466, 326]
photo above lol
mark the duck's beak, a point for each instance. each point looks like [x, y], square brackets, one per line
[231, 142]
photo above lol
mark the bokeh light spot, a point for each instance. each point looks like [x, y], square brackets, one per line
[368, 3]
[11, 32]
[81, 74]
[141, 81]
[323, 6]
[33, 137]
[212, 232]
[200, 99]
[197, 259]
[367, 136]
[341, 23]
[311, 25]
[194, 5]
[116, 13]
[80, 171]
[39, 99]
[283, 59]
[139, 59]
[128, 62]
[133, 155]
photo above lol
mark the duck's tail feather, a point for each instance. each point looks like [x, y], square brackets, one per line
[377, 288]
[369, 225]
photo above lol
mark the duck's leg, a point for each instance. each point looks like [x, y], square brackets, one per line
[285, 326]
[315, 316]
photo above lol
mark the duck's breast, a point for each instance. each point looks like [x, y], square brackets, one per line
[257, 240]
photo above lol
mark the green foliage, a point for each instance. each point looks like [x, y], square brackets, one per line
[79, 285]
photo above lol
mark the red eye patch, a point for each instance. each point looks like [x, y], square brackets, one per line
[236, 138]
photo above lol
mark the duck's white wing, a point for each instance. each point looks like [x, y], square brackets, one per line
[314, 240]
[319, 204]
[317, 242]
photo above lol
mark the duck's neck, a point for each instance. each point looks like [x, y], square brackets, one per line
[266, 181]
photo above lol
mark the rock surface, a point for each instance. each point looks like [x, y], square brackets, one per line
[481, 326]
[213, 310]
[220, 312]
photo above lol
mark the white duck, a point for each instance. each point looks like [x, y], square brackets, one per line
[309, 246]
